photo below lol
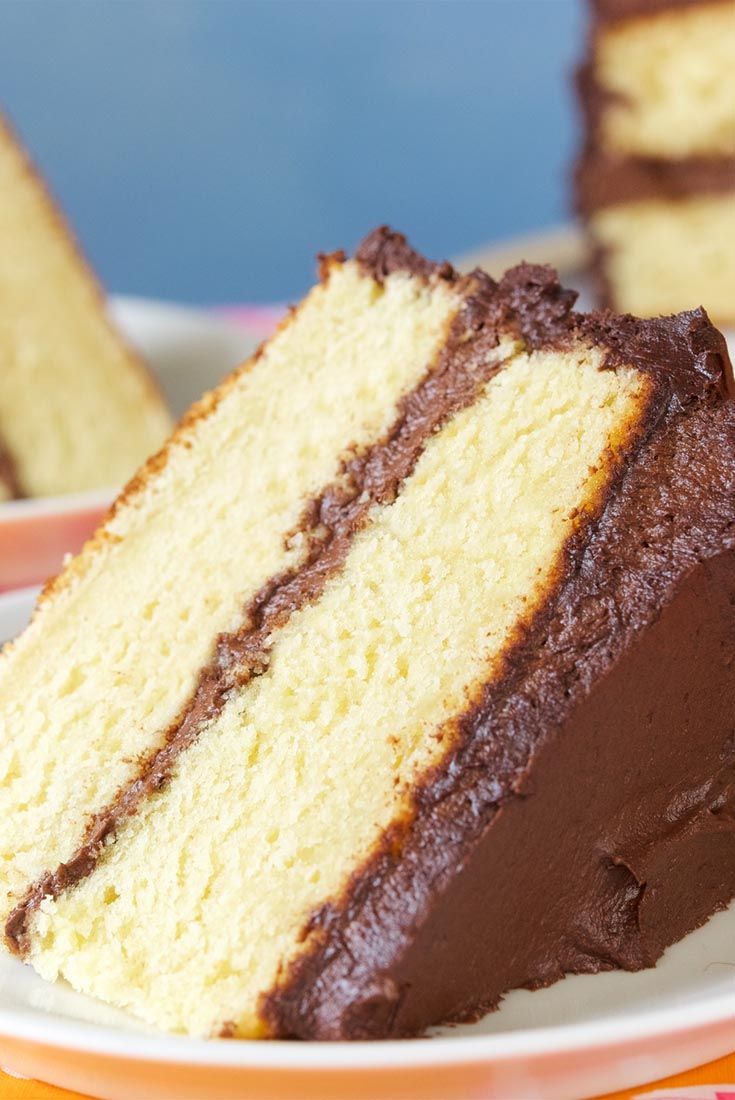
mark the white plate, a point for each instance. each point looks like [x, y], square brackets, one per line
[584, 1036]
[189, 351]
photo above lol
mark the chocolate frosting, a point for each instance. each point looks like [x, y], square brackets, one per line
[602, 180]
[384, 252]
[582, 817]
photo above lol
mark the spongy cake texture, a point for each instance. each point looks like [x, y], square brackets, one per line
[128, 603]
[661, 255]
[668, 82]
[372, 518]
[333, 736]
[77, 407]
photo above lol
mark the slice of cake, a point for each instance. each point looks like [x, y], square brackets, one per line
[656, 181]
[77, 407]
[400, 678]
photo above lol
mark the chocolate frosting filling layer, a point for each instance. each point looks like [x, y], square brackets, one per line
[602, 181]
[528, 302]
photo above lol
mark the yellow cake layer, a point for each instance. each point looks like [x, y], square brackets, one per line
[662, 257]
[671, 83]
[199, 904]
[115, 651]
[77, 408]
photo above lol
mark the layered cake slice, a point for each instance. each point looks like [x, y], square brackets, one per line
[77, 407]
[401, 677]
[656, 181]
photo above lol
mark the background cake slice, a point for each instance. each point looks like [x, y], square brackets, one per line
[402, 677]
[78, 409]
[656, 179]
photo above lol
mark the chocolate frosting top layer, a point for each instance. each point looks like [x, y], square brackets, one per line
[671, 507]
[384, 252]
[685, 354]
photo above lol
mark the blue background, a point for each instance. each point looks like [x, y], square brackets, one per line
[206, 149]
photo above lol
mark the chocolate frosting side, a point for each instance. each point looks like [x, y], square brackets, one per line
[583, 819]
[529, 300]
[602, 180]
[620, 842]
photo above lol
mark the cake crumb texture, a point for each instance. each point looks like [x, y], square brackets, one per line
[659, 255]
[668, 83]
[117, 644]
[204, 895]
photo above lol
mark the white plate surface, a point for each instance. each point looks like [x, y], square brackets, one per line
[536, 1042]
[584, 1036]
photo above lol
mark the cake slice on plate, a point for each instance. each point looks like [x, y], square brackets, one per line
[78, 409]
[400, 678]
[656, 180]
